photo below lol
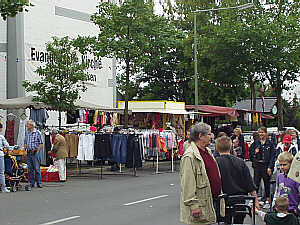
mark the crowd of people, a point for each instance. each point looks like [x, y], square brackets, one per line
[33, 144]
[213, 167]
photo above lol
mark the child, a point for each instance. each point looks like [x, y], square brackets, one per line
[285, 186]
[233, 169]
[281, 216]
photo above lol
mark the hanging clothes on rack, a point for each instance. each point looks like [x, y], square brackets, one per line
[119, 148]
[21, 134]
[10, 132]
[72, 117]
[39, 116]
[134, 158]
[91, 116]
[49, 160]
[72, 140]
[43, 152]
[86, 147]
[103, 148]
[114, 119]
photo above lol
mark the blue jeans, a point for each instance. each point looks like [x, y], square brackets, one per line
[2, 177]
[34, 162]
[119, 148]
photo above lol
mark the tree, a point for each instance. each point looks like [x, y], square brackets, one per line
[161, 74]
[279, 34]
[219, 83]
[10, 8]
[259, 43]
[270, 35]
[126, 32]
[61, 79]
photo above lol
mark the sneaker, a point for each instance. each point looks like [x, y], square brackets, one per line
[266, 206]
[6, 191]
[261, 203]
[249, 203]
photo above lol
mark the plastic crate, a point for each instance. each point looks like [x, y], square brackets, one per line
[49, 176]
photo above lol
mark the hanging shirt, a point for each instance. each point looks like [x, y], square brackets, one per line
[21, 134]
[39, 116]
[10, 132]
[86, 147]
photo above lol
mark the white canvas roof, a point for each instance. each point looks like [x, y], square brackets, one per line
[27, 102]
[169, 107]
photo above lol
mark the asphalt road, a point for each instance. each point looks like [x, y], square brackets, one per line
[149, 199]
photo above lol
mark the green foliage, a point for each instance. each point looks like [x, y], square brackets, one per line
[274, 44]
[141, 42]
[246, 46]
[292, 113]
[212, 52]
[10, 8]
[123, 30]
[62, 78]
[162, 71]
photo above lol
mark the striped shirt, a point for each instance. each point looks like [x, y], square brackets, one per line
[33, 139]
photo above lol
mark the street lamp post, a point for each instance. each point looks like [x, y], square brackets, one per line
[195, 62]
[240, 7]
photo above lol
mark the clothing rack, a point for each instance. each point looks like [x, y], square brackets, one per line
[155, 131]
[12, 115]
[172, 153]
[120, 172]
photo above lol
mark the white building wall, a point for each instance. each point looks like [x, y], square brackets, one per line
[3, 31]
[42, 22]
[3, 68]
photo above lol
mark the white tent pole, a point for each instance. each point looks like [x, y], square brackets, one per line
[157, 161]
[172, 161]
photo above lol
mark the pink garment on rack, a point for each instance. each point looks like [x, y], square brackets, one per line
[157, 121]
[150, 140]
[86, 116]
[93, 129]
[81, 113]
[181, 150]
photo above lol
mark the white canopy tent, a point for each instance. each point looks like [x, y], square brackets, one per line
[159, 106]
[27, 102]
[21, 103]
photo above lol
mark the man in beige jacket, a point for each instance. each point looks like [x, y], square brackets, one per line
[60, 149]
[200, 179]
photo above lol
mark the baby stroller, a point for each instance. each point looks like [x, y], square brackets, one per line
[14, 174]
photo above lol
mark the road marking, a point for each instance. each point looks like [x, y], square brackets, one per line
[61, 220]
[145, 200]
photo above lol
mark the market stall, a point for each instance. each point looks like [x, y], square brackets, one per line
[162, 124]
[210, 114]
[76, 133]
[156, 114]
